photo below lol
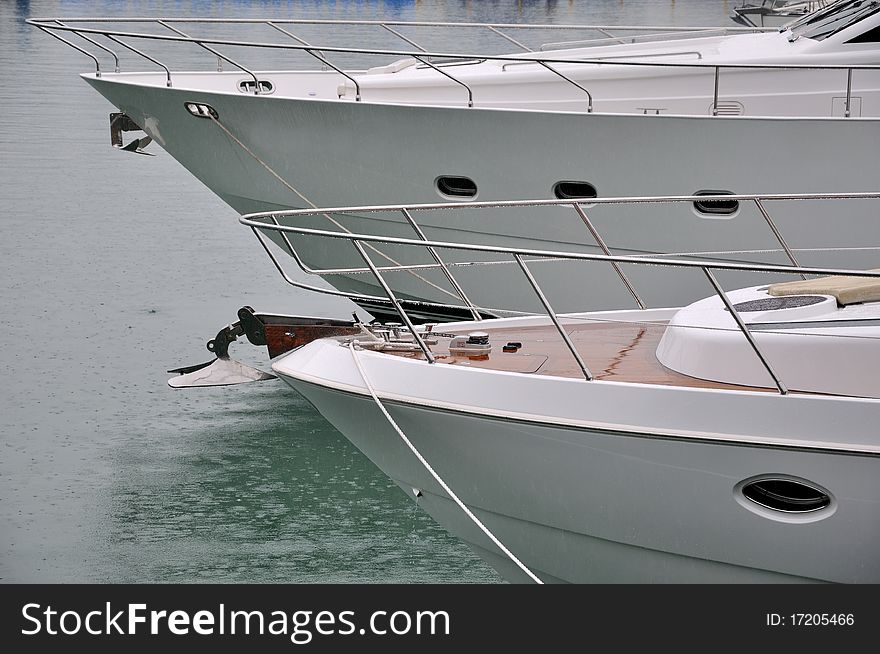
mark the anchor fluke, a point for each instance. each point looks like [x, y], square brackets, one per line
[137, 146]
[222, 371]
[279, 334]
[120, 123]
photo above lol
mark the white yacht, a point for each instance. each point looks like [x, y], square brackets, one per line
[729, 440]
[689, 113]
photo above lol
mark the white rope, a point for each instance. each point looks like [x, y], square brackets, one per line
[443, 484]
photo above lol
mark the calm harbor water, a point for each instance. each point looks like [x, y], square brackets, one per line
[117, 267]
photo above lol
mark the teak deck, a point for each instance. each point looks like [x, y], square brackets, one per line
[624, 352]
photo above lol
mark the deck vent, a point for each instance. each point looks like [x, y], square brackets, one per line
[456, 187]
[573, 190]
[248, 86]
[201, 110]
[786, 495]
[716, 208]
[728, 108]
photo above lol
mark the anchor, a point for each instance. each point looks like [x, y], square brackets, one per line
[119, 123]
[278, 333]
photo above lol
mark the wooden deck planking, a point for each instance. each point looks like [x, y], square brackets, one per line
[620, 351]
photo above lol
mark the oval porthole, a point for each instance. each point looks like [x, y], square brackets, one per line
[785, 498]
[452, 186]
[568, 190]
[716, 208]
[786, 495]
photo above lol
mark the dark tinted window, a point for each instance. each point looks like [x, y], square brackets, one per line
[567, 190]
[786, 495]
[457, 187]
[716, 207]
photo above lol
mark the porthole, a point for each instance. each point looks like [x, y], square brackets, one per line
[569, 190]
[716, 208]
[248, 86]
[452, 186]
[785, 498]
[786, 495]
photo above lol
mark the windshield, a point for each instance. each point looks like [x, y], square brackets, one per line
[832, 19]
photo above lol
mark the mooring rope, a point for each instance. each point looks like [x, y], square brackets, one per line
[522, 566]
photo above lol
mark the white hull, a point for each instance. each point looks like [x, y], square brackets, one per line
[609, 482]
[336, 153]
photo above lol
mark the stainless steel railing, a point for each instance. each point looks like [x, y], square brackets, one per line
[260, 223]
[84, 29]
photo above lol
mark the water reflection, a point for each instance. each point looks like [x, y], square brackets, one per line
[265, 490]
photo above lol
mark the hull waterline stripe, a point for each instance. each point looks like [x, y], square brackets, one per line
[522, 566]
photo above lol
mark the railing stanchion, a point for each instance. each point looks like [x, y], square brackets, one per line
[552, 314]
[145, 56]
[601, 243]
[509, 38]
[394, 301]
[401, 36]
[778, 234]
[215, 52]
[458, 289]
[570, 81]
[445, 74]
[95, 43]
[744, 329]
[847, 112]
[715, 96]
[74, 46]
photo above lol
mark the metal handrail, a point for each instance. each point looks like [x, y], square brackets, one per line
[408, 23]
[257, 224]
[406, 210]
[99, 45]
[114, 35]
[217, 53]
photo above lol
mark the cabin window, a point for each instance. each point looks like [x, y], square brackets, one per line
[453, 186]
[716, 208]
[248, 86]
[832, 19]
[571, 190]
[786, 495]
[871, 36]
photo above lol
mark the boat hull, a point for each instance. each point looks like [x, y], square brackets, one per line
[587, 504]
[268, 153]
